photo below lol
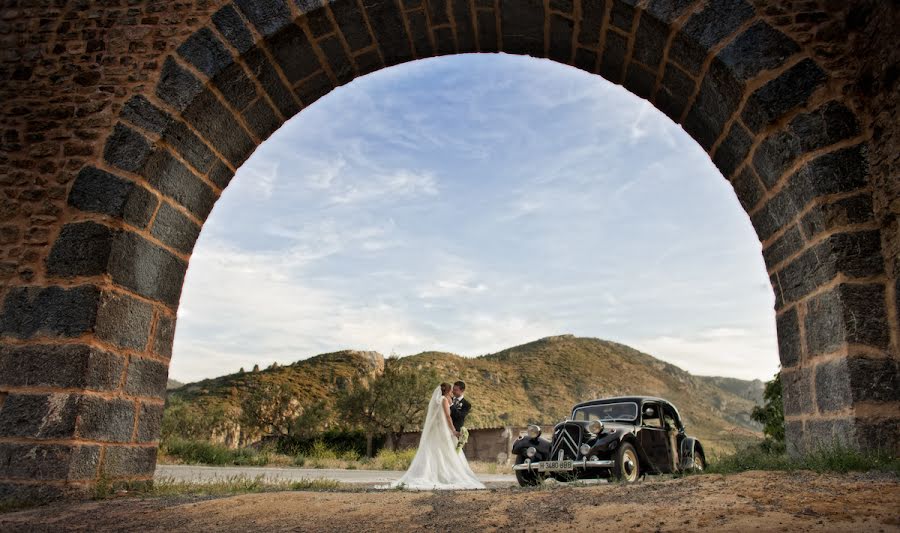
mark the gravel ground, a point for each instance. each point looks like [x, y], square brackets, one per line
[759, 501]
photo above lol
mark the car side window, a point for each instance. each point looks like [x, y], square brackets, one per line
[669, 417]
[651, 416]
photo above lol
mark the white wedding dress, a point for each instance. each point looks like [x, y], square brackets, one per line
[437, 465]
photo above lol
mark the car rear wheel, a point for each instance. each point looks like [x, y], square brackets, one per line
[699, 462]
[627, 467]
[527, 478]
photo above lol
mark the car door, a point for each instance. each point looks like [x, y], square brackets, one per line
[654, 440]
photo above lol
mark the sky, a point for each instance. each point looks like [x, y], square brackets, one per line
[469, 204]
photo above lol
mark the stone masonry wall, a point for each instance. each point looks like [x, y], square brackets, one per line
[123, 121]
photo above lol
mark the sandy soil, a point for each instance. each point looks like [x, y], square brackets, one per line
[759, 501]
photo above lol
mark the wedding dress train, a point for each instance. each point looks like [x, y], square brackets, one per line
[437, 465]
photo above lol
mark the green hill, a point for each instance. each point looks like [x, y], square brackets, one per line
[537, 382]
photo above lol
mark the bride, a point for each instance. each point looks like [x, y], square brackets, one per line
[437, 464]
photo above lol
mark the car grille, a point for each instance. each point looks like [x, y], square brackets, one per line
[567, 438]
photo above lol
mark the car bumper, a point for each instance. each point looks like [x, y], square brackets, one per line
[583, 464]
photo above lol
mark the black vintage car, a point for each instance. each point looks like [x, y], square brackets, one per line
[613, 438]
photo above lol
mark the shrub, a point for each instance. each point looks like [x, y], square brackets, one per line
[207, 453]
[834, 458]
[395, 459]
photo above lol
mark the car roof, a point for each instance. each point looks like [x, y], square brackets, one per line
[619, 399]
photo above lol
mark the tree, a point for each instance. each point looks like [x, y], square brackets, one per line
[269, 407]
[310, 421]
[391, 403]
[771, 415]
[191, 421]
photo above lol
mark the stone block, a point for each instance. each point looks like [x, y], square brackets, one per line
[191, 148]
[268, 77]
[105, 420]
[833, 386]
[81, 249]
[717, 20]
[591, 22]
[63, 366]
[368, 62]
[649, 41]
[849, 313]
[747, 188]
[760, 47]
[787, 325]
[785, 246]
[834, 215]
[797, 391]
[350, 20]
[175, 229]
[879, 434]
[841, 171]
[220, 174]
[718, 99]
[35, 462]
[639, 80]
[124, 321]
[146, 378]
[826, 125]
[269, 16]
[794, 437]
[465, 33]
[387, 24]
[126, 148]
[667, 10]
[150, 422]
[613, 59]
[487, 31]
[262, 119]
[231, 26]
[235, 86]
[49, 311]
[314, 88]
[218, 126]
[687, 54]
[39, 416]
[316, 18]
[99, 191]
[147, 269]
[733, 149]
[176, 181]
[419, 32]
[621, 15]
[438, 12]
[340, 64]
[774, 155]
[522, 24]
[294, 53]
[129, 461]
[561, 29]
[206, 52]
[874, 379]
[140, 112]
[165, 335]
[177, 87]
[827, 433]
[788, 91]
[674, 92]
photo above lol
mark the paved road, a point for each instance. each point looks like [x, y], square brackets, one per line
[209, 474]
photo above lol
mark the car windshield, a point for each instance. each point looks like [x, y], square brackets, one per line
[622, 411]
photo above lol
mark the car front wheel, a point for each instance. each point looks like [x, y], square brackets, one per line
[627, 467]
[527, 478]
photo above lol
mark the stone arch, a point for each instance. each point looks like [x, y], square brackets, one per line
[87, 326]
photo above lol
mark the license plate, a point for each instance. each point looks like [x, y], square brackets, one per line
[552, 466]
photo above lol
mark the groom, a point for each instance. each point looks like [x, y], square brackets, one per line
[460, 408]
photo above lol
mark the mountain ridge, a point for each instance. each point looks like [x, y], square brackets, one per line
[535, 382]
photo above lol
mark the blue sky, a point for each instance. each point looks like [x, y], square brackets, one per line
[468, 204]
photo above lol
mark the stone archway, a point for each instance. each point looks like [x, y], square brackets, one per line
[124, 124]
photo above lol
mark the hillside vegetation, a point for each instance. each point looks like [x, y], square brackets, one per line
[537, 382]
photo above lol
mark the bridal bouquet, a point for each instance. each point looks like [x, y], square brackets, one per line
[463, 439]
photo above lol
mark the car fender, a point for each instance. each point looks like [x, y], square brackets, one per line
[542, 446]
[689, 446]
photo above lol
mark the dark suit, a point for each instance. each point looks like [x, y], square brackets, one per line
[459, 410]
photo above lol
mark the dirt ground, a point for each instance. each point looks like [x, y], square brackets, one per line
[759, 501]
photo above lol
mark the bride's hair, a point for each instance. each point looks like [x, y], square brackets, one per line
[445, 388]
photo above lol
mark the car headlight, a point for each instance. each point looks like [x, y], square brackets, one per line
[585, 448]
[595, 426]
[534, 431]
[531, 451]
